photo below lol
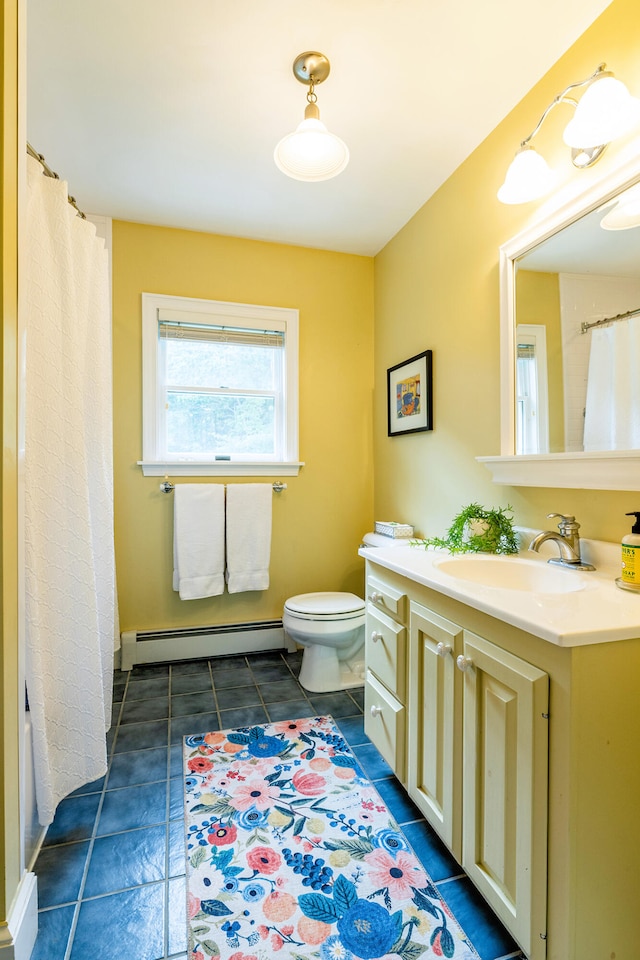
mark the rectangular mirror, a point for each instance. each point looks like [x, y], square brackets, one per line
[570, 329]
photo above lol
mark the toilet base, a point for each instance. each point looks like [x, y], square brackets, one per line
[322, 672]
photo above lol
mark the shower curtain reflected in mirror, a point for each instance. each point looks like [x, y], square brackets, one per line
[70, 602]
[612, 411]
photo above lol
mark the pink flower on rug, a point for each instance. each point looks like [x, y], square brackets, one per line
[265, 860]
[221, 834]
[253, 793]
[313, 932]
[320, 763]
[193, 905]
[279, 906]
[213, 739]
[292, 728]
[400, 873]
[277, 943]
[436, 946]
[309, 784]
[239, 955]
[199, 764]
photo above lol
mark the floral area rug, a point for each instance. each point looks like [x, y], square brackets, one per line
[292, 853]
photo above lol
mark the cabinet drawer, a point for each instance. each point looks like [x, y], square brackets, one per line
[386, 650]
[384, 723]
[387, 598]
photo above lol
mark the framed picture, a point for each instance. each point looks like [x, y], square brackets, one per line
[410, 395]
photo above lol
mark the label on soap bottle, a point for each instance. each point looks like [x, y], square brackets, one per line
[631, 563]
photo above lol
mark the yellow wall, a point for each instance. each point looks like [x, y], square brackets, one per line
[10, 693]
[319, 520]
[437, 286]
[538, 301]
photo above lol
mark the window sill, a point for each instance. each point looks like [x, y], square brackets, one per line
[219, 468]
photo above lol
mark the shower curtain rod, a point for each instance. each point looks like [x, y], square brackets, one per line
[619, 316]
[48, 172]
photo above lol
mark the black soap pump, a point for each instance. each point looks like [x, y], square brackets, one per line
[630, 578]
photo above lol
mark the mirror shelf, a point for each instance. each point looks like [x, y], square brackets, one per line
[606, 470]
[618, 470]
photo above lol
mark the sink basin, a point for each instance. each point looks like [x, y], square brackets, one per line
[513, 573]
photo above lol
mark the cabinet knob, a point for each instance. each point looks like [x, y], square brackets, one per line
[375, 711]
[376, 597]
[375, 636]
[464, 663]
[443, 649]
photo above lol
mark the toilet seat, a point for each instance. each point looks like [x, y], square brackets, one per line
[325, 606]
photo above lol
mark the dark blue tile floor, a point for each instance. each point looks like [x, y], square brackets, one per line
[111, 872]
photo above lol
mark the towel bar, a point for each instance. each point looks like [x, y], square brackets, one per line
[167, 487]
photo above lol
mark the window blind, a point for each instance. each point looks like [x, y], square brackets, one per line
[212, 333]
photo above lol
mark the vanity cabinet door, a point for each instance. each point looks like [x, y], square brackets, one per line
[435, 723]
[505, 776]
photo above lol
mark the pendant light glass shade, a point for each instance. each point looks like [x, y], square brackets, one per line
[527, 178]
[605, 111]
[311, 153]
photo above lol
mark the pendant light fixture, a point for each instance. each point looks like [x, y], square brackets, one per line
[311, 152]
[605, 111]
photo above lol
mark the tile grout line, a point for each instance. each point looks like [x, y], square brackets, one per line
[83, 880]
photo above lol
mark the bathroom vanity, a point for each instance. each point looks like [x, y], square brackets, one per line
[505, 698]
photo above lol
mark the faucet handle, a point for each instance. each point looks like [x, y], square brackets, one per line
[566, 524]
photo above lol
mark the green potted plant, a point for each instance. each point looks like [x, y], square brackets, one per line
[477, 529]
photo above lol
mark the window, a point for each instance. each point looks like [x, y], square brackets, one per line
[220, 390]
[532, 419]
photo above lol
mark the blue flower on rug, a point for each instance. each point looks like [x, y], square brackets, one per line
[292, 853]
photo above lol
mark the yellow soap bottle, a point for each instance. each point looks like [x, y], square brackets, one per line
[630, 578]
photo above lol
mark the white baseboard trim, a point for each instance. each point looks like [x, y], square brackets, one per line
[19, 935]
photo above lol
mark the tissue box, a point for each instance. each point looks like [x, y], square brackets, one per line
[389, 528]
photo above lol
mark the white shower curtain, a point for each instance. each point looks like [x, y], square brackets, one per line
[612, 411]
[70, 600]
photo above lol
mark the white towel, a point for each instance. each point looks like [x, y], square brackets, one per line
[198, 540]
[248, 536]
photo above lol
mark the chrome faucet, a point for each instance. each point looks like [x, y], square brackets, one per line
[567, 540]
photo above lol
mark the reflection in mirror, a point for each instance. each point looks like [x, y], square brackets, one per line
[577, 314]
[532, 416]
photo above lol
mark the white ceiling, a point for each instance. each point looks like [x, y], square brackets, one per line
[168, 112]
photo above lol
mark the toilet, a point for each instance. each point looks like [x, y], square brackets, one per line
[330, 627]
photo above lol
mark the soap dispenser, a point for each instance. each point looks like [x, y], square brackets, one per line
[630, 579]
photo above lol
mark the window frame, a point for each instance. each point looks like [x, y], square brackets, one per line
[220, 313]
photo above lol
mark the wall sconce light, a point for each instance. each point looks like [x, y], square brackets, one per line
[605, 111]
[311, 152]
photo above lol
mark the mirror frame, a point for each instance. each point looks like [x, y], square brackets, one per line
[606, 470]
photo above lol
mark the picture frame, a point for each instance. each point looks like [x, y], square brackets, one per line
[410, 395]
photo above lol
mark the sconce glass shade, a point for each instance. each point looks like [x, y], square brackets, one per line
[605, 111]
[311, 153]
[527, 178]
[626, 212]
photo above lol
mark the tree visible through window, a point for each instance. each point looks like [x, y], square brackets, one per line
[223, 383]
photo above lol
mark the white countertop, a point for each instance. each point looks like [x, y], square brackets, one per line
[599, 612]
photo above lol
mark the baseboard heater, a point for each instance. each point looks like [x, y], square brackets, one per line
[188, 643]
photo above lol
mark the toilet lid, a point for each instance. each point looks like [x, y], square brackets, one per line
[325, 604]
